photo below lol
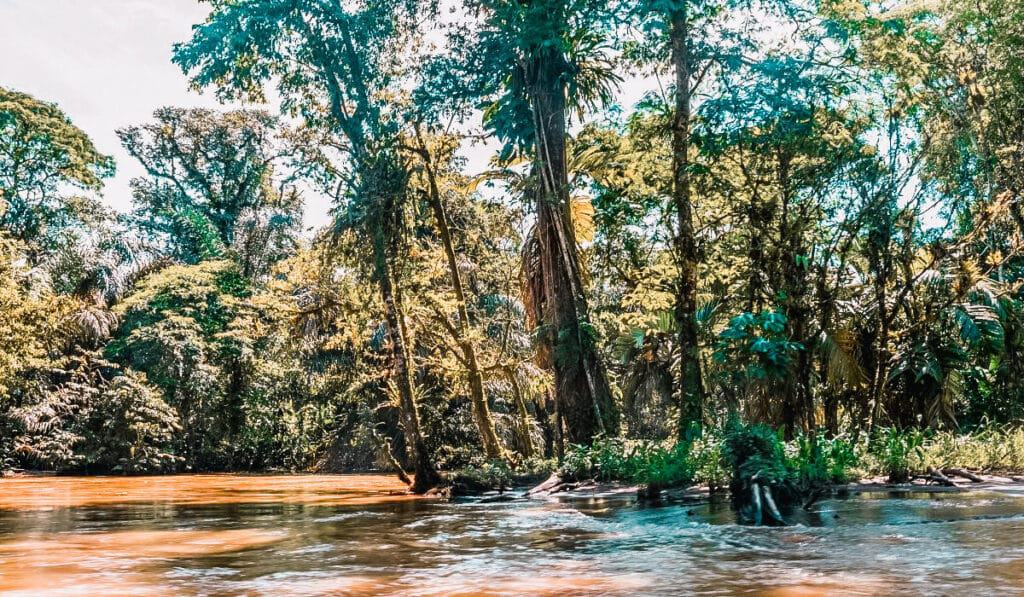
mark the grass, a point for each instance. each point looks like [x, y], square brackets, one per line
[991, 448]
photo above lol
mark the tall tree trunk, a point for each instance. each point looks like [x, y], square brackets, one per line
[481, 410]
[691, 384]
[826, 305]
[383, 183]
[880, 253]
[426, 476]
[581, 387]
[798, 410]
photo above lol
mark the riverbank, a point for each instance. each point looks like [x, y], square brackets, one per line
[555, 488]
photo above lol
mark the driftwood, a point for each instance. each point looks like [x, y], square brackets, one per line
[937, 477]
[444, 493]
[755, 501]
[959, 472]
[547, 486]
[555, 484]
[769, 501]
[565, 487]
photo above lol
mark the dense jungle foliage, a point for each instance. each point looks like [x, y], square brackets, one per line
[710, 231]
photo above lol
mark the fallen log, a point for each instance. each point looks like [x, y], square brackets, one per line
[547, 486]
[565, 487]
[936, 476]
[959, 472]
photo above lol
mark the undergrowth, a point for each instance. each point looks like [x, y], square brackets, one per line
[805, 462]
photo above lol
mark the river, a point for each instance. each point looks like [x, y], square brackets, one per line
[360, 535]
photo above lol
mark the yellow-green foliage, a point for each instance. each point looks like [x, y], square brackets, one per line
[30, 317]
[996, 449]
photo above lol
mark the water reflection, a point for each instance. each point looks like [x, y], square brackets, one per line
[66, 492]
[353, 535]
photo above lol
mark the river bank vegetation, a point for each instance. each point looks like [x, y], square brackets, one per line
[776, 242]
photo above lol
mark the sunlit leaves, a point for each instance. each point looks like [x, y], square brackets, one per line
[42, 154]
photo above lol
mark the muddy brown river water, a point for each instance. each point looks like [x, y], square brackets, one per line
[360, 535]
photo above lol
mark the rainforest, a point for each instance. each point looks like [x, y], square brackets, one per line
[744, 256]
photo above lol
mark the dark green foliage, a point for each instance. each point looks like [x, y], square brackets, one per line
[900, 452]
[134, 429]
[756, 347]
[647, 463]
[751, 450]
[819, 461]
[41, 154]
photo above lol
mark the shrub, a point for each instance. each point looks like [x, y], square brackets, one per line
[814, 461]
[645, 462]
[899, 453]
[993, 448]
[134, 428]
[754, 450]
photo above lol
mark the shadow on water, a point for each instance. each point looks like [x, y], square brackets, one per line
[338, 535]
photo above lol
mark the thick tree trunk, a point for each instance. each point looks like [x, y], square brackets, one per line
[691, 384]
[547, 417]
[481, 410]
[879, 338]
[758, 266]
[581, 387]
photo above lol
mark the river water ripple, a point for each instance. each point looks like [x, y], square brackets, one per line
[359, 535]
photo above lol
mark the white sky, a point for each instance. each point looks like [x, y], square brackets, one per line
[107, 64]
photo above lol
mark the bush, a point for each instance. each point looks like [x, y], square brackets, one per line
[795, 469]
[990, 448]
[135, 428]
[899, 453]
[643, 462]
[815, 461]
[754, 450]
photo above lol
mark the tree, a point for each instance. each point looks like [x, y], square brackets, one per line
[460, 329]
[219, 183]
[533, 62]
[333, 64]
[180, 327]
[41, 155]
[680, 26]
